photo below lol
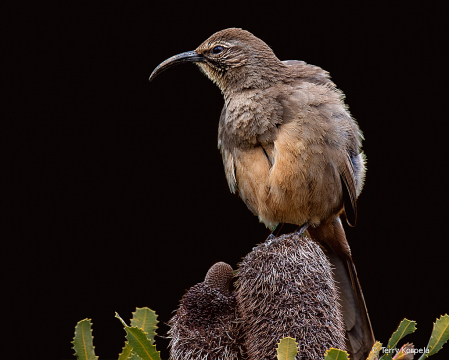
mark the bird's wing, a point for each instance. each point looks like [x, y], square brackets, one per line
[326, 128]
[228, 158]
[309, 73]
[349, 190]
[293, 62]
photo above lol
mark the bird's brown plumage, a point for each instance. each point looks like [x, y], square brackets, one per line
[292, 151]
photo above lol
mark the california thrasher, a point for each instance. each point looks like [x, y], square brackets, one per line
[291, 150]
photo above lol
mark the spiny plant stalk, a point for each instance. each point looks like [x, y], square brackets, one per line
[285, 288]
[205, 324]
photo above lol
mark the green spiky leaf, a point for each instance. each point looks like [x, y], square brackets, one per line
[336, 354]
[375, 350]
[134, 356]
[83, 341]
[139, 342]
[440, 335]
[127, 353]
[287, 349]
[141, 345]
[405, 327]
[145, 319]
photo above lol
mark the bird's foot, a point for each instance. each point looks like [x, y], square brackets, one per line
[286, 228]
[270, 238]
[274, 233]
[300, 231]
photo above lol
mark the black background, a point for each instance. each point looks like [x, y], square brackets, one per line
[117, 196]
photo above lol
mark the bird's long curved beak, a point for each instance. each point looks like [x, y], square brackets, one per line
[190, 56]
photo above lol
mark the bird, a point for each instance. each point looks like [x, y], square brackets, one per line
[291, 150]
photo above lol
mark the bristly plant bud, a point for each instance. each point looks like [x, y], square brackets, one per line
[219, 277]
[285, 288]
[205, 326]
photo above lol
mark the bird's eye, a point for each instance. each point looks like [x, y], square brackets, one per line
[217, 49]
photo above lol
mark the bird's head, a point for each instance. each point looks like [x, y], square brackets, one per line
[233, 59]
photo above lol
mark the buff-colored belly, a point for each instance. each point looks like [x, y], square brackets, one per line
[300, 185]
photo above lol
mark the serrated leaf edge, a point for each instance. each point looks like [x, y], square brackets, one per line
[434, 325]
[339, 352]
[401, 336]
[123, 350]
[90, 328]
[154, 326]
[375, 350]
[127, 329]
[288, 338]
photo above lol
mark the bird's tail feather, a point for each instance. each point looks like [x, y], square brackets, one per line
[360, 338]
